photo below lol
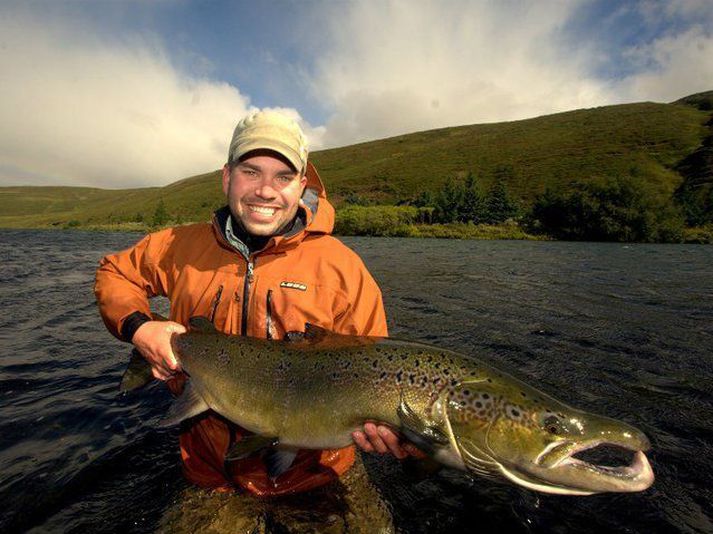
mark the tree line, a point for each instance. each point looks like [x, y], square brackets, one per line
[464, 201]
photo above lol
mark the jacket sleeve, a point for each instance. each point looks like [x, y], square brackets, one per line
[365, 315]
[126, 280]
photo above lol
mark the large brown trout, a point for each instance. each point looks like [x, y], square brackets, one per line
[313, 390]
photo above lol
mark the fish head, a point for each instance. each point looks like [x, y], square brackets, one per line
[501, 426]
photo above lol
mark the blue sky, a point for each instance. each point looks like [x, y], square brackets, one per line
[136, 93]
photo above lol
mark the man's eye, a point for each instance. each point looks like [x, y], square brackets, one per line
[284, 179]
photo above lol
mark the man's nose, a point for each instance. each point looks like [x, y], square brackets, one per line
[265, 189]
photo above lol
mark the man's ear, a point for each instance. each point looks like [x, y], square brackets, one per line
[226, 179]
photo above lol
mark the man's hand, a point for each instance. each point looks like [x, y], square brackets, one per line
[153, 339]
[383, 440]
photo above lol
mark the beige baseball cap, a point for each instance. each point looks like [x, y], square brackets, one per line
[270, 130]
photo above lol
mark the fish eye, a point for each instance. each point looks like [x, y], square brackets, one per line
[553, 425]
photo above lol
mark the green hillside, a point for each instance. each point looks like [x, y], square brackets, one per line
[659, 144]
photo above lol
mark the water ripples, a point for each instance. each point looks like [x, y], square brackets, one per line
[621, 330]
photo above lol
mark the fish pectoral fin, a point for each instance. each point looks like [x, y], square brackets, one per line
[201, 324]
[247, 446]
[138, 373]
[187, 405]
[426, 437]
[278, 461]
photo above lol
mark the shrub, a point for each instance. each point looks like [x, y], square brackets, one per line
[609, 209]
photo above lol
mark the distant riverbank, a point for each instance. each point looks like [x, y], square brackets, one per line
[510, 230]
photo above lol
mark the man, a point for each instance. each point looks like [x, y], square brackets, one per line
[265, 266]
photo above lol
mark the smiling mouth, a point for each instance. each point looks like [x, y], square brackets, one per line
[262, 210]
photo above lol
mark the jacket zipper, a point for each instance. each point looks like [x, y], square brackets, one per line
[246, 298]
[268, 320]
[215, 304]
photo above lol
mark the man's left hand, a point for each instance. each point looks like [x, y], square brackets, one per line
[381, 439]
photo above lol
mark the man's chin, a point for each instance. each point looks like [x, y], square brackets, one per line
[261, 230]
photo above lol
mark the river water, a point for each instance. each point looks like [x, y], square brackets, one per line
[621, 330]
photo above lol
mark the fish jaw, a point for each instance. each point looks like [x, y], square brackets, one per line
[558, 470]
[576, 477]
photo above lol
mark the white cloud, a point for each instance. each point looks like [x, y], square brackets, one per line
[392, 67]
[395, 67]
[671, 67]
[77, 109]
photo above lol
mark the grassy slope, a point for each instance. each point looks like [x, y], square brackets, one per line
[646, 139]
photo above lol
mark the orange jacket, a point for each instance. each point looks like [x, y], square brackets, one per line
[306, 277]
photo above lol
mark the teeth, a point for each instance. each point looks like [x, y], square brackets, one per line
[262, 210]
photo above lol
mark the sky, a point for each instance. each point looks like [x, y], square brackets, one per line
[126, 93]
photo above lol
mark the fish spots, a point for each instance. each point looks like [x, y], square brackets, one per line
[514, 412]
[223, 358]
[472, 404]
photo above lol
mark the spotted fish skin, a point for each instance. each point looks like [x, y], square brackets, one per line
[314, 392]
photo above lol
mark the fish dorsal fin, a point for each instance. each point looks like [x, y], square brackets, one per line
[294, 336]
[138, 373]
[201, 324]
[315, 334]
[187, 405]
[312, 334]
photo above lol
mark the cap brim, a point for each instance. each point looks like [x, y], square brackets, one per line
[269, 144]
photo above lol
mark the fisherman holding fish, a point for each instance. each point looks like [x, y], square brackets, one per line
[265, 266]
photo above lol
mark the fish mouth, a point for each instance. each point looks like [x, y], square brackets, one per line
[584, 469]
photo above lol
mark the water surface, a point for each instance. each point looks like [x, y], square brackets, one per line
[622, 330]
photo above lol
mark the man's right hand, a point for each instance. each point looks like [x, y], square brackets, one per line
[153, 340]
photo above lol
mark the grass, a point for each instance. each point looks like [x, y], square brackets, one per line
[646, 140]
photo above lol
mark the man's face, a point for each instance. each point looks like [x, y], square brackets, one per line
[263, 192]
